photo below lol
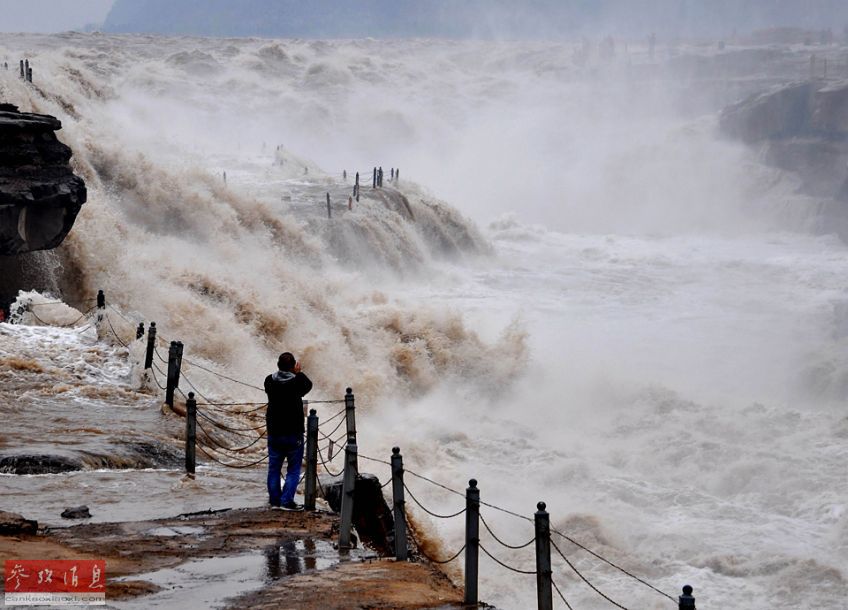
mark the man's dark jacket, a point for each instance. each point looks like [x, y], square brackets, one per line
[284, 416]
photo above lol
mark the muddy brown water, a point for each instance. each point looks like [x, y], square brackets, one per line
[77, 430]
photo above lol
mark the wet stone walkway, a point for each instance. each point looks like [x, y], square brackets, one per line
[240, 558]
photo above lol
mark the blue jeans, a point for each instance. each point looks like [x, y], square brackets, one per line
[290, 449]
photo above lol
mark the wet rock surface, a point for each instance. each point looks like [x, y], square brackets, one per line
[779, 113]
[76, 512]
[13, 524]
[372, 516]
[802, 128]
[137, 454]
[40, 196]
[38, 464]
[245, 558]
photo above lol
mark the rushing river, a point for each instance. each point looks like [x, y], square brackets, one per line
[614, 311]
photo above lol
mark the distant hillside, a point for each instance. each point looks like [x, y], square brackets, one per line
[459, 18]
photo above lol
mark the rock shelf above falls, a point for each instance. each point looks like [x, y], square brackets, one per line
[40, 196]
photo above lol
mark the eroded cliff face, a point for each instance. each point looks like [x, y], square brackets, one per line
[40, 196]
[803, 128]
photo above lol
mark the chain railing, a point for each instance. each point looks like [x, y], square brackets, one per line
[219, 452]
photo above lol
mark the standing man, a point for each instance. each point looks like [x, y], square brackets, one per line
[284, 422]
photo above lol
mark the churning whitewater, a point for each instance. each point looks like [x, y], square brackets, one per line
[576, 293]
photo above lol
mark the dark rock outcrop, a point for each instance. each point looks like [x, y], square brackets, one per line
[802, 128]
[784, 112]
[40, 196]
[77, 512]
[38, 464]
[13, 524]
[372, 517]
[805, 109]
[829, 113]
[129, 454]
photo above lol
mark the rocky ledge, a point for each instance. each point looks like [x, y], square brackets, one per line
[40, 196]
[245, 558]
[803, 128]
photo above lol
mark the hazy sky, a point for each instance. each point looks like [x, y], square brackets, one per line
[675, 16]
[50, 15]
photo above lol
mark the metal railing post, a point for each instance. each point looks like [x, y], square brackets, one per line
[472, 541]
[686, 601]
[311, 460]
[175, 359]
[399, 506]
[179, 364]
[191, 433]
[348, 492]
[151, 345]
[544, 591]
[350, 415]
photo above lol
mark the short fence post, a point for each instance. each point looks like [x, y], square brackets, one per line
[356, 187]
[23, 74]
[374, 179]
[175, 359]
[472, 541]
[329, 209]
[29, 75]
[686, 601]
[139, 332]
[350, 414]
[397, 175]
[191, 433]
[151, 345]
[543, 558]
[311, 460]
[399, 505]
[350, 420]
[179, 364]
[348, 490]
